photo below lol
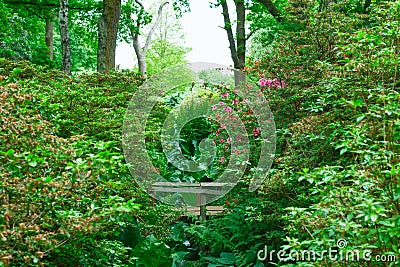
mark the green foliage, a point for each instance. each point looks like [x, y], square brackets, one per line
[59, 193]
[163, 54]
[17, 41]
[337, 124]
[22, 32]
[330, 75]
[151, 252]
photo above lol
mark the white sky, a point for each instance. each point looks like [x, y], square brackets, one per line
[208, 41]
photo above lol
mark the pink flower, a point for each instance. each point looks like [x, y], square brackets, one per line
[235, 102]
[223, 126]
[214, 107]
[229, 139]
[222, 159]
[263, 82]
[271, 83]
[228, 109]
[224, 95]
[221, 103]
[257, 131]
[221, 140]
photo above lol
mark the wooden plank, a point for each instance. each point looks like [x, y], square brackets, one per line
[186, 190]
[207, 184]
[212, 184]
[215, 208]
[211, 213]
[212, 210]
[168, 184]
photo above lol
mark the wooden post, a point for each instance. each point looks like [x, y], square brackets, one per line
[153, 195]
[203, 208]
[203, 212]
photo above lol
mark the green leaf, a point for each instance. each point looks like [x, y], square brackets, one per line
[358, 103]
[152, 252]
[227, 258]
[33, 163]
[10, 152]
[360, 118]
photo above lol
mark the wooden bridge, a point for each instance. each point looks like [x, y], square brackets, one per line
[195, 195]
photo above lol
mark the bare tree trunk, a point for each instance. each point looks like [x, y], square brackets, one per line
[65, 41]
[238, 49]
[272, 9]
[142, 51]
[101, 46]
[140, 54]
[240, 33]
[229, 32]
[107, 35]
[50, 35]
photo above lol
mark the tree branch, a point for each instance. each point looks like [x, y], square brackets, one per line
[251, 33]
[135, 34]
[139, 3]
[34, 13]
[155, 25]
[272, 9]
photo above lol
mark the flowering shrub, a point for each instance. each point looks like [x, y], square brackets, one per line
[263, 82]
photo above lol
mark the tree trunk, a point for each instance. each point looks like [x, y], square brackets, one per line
[107, 35]
[50, 36]
[101, 46]
[65, 41]
[228, 29]
[141, 52]
[272, 9]
[238, 49]
[240, 34]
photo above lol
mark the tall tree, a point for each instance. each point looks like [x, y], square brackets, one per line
[237, 43]
[107, 35]
[44, 10]
[65, 41]
[238, 48]
[137, 18]
[168, 47]
[50, 34]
